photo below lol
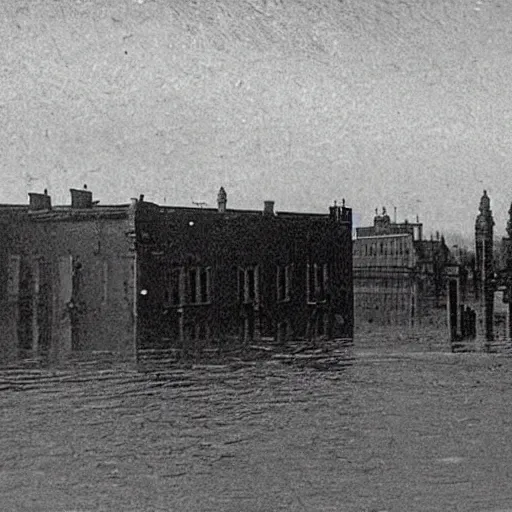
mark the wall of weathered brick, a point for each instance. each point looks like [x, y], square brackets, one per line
[10, 248]
[67, 258]
[226, 242]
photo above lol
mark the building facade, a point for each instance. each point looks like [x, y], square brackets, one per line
[67, 277]
[238, 275]
[87, 278]
[400, 279]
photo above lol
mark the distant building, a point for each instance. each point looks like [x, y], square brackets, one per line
[400, 279]
[85, 277]
[491, 297]
[486, 284]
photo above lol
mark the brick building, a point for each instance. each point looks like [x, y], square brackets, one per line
[400, 279]
[85, 277]
[67, 278]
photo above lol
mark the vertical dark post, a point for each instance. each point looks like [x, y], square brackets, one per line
[509, 333]
[453, 309]
[35, 306]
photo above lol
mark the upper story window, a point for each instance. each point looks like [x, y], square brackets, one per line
[284, 279]
[199, 285]
[317, 282]
[189, 286]
[13, 277]
[248, 287]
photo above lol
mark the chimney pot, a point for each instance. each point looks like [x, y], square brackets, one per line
[335, 212]
[39, 201]
[81, 199]
[268, 207]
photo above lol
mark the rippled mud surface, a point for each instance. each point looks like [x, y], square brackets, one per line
[391, 429]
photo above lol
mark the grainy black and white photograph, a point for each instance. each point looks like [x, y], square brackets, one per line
[255, 255]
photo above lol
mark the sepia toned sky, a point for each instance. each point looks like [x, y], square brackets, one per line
[404, 103]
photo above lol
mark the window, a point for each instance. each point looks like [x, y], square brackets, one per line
[248, 284]
[204, 285]
[176, 286]
[13, 277]
[317, 282]
[192, 285]
[284, 278]
[199, 284]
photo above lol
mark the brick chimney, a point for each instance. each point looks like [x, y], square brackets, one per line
[39, 201]
[222, 199]
[81, 199]
[268, 208]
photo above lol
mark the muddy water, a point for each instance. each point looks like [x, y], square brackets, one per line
[388, 430]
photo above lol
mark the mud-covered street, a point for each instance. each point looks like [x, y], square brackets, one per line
[389, 430]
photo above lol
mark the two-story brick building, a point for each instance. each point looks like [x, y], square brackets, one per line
[84, 277]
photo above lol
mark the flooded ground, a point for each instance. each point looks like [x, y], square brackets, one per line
[395, 427]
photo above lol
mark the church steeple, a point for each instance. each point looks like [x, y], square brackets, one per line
[485, 204]
[484, 262]
[222, 199]
[484, 221]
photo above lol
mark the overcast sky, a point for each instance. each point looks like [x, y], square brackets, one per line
[404, 103]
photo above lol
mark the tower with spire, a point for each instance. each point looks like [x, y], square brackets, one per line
[484, 263]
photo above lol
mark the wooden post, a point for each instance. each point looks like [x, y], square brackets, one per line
[36, 277]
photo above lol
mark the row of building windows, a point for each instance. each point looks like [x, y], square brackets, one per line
[393, 248]
[194, 285]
